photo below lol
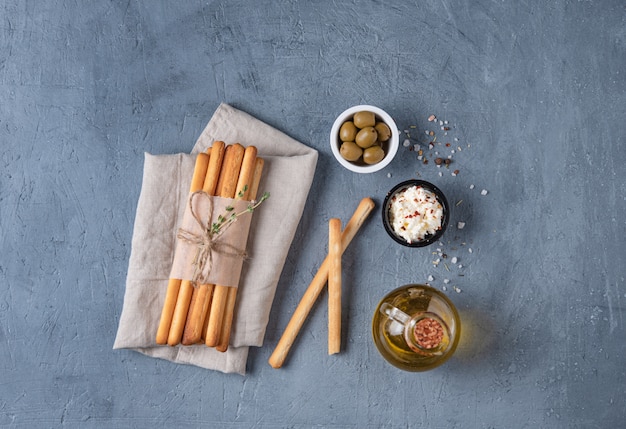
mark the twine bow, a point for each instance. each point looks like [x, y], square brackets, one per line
[206, 242]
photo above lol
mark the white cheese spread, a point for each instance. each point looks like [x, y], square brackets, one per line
[415, 213]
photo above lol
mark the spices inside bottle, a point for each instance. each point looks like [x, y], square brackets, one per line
[428, 333]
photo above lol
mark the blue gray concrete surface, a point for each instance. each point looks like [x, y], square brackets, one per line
[535, 93]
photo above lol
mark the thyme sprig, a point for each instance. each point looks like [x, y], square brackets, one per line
[230, 216]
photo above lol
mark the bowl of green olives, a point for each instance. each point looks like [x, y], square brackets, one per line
[364, 139]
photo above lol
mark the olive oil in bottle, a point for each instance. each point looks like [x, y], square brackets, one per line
[416, 327]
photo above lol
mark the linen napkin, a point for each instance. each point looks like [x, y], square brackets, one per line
[287, 175]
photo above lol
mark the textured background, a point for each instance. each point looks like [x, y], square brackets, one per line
[535, 93]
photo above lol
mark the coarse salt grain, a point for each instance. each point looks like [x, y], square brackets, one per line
[460, 225]
[471, 186]
[431, 278]
[454, 259]
[484, 192]
[406, 143]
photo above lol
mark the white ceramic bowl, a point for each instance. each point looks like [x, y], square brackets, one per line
[390, 147]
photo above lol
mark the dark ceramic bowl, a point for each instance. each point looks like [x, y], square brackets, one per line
[401, 187]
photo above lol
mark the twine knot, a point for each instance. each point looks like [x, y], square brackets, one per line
[207, 241]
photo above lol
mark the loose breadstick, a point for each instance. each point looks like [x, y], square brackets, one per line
[173, 287]
[201, 294]
[229, 311]
[220, 293]
[334, 286]
[301, 312]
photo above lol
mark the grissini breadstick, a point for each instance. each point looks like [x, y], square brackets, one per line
[224, 338]
[258, 170]
[334, 286]
[201, 294]
[220, 293]
[225, 187]
[184, 294]
[173, 287]
[301, 312]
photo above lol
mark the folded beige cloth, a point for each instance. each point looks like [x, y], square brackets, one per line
[287, 176]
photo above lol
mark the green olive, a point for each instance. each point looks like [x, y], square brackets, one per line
[366, 137]
[364, 119]
[347, 132]
[373, 155]
[384, 133]
[350, 151]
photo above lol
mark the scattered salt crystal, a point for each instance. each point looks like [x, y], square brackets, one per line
[444, 288]
[388, 174]
[426, 132]
[441, 174]
[454, 259]
[457, 289]
[441, 123]
[452, 151]
[460, 266]
[460, 225]
[470, 250]
[406, 143]
[446, 281]
[453, 174]
[431, 278]
[419, 157]
[430, 145]
[471, 186]
[445, 122]
[456, 139]
[483, 192]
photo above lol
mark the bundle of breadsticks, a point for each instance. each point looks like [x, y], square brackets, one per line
[197, 310]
